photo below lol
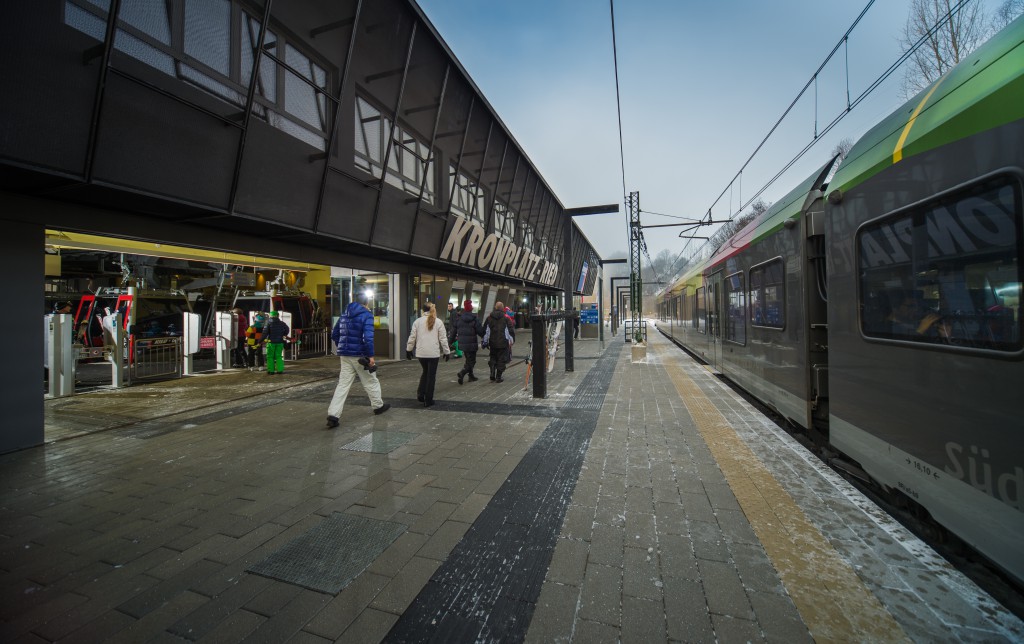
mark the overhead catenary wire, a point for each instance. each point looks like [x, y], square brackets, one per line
[618, 101]
[622, 154]
[843, 42]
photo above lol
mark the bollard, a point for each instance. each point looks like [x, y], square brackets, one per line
[570, 354]
[540, 361]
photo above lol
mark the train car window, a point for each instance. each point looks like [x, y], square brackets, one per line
[699, 322]
[735, 309]
[946, 272]
[768, 295]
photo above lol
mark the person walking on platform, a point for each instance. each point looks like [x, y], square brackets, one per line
[353, 337]
[429, 340]
[467, 329]
[510, 314]
[274, 334]
[449, 319]
[499, 333]
[254, 342]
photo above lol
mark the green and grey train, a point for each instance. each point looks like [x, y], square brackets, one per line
[882, 311]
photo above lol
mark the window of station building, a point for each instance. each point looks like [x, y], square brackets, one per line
[527, 236]
[468, 196]
[768, 295]
[736, 309]
[410, 164]
[542, 247]
[210, 44]
[946, 272]
[504, 221]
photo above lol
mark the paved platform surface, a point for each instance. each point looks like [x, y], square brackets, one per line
[638, 502]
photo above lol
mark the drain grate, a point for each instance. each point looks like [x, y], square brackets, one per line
[331, 555]
[379, 442]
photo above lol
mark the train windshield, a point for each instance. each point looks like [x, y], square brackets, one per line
[946, 272]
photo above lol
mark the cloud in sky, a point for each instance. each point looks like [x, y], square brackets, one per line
[701, 84]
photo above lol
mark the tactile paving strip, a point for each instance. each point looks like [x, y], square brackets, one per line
[379, 442]
[332, 554]
[488, 587]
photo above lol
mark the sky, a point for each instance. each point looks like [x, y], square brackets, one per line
[701, 84]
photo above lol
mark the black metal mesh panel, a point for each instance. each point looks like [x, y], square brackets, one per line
[278, 180]
[143, 144]
[48, 92]
[348, 208]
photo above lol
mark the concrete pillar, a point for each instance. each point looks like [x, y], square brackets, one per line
[22, 382]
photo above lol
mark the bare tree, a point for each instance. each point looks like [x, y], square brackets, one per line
[727, 230]
[842, 148]
[947, 37]
[1006, 13]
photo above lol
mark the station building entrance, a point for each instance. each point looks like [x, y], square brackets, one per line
[155, 286]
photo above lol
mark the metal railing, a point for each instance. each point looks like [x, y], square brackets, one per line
[155, 358]
[309, 343]
[630, 331]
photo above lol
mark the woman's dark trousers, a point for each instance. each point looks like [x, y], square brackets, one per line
[425, 392]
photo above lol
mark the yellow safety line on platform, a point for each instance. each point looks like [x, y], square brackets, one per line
[834, 603]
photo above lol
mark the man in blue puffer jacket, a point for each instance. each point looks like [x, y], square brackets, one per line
[353, 337]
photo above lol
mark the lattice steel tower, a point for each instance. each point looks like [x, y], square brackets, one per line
[636, 245]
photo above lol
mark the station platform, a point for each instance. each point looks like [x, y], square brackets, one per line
[638, 502]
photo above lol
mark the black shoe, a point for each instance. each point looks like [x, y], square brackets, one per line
[461, 376]
[499, 379]
[383, 408]
[420, 398]
[429, 403]
[472, 378]
[332, 422]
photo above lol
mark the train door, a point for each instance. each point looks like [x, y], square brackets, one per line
[715, 308]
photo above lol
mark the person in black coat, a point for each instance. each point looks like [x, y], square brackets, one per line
[466, 328]
[498, 331]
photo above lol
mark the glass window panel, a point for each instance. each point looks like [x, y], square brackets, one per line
[946, 273]
[148, 16]
[212, 85]
[301, 99]
[144, 52]
[768, 295]
[301, 133]
[208, 33]
[266, 81]
[699, 322]
[84, 21]
[735, 314]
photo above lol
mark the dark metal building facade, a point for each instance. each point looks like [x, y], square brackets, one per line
[342, 132]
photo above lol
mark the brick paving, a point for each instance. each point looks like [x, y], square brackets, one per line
[143, 518]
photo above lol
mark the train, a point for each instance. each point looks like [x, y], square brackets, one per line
[877, 305]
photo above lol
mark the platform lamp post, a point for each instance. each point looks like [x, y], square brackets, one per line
[567, 275]
[600, 294]
[615, 298]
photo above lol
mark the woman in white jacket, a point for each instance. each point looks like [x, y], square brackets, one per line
[430, 341]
